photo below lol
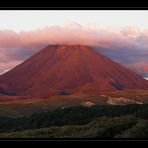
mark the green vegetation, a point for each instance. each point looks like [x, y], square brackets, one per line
[140, 130]
[103, 127]
[68, 116]
[99, 121]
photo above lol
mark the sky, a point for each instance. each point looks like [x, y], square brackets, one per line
[27, 20]
[120, 35]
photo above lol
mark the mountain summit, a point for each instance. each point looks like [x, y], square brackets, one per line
[67, 69]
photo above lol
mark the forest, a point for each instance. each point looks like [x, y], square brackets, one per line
[99, 121]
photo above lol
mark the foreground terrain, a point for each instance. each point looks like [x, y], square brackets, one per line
[129, 121]
[118, 114]
[99, 121]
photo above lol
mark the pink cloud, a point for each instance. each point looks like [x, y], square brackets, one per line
[13, 45]
[9, 39]
[131, 31]
[72, 33]
[3, 57]
[139, 66]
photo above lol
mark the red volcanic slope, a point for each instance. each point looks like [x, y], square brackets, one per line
[68, 69]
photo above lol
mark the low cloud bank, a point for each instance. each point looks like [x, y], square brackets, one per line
[127, 45]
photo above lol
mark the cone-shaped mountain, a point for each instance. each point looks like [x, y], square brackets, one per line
[68, 69]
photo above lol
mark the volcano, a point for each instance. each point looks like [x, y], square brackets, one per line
[68, 69]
